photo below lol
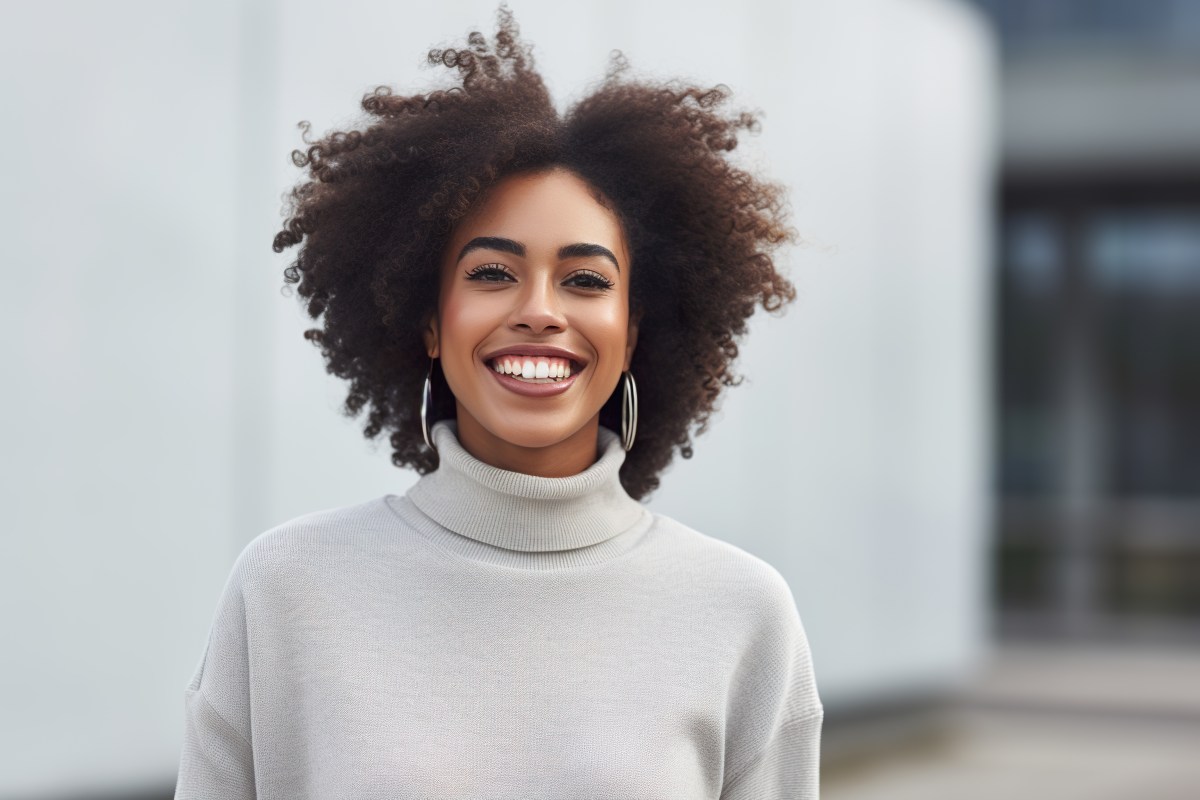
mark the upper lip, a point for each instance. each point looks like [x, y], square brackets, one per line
[536, 350]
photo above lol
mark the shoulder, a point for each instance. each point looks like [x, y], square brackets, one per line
[306, 542]
[747, 604]
[738, 578]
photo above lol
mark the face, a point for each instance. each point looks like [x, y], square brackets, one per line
[533, 327]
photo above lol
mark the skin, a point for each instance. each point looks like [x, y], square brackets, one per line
[491, 298]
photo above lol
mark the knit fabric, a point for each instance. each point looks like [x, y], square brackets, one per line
[499, 636]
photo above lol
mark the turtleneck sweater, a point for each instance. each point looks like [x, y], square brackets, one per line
[500, 636]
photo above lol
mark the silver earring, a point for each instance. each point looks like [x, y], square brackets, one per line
[426, 403]
[629, 411]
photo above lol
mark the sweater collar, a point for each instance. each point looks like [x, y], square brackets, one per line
[523, 512]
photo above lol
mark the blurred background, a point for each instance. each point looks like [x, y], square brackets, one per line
[972, 445]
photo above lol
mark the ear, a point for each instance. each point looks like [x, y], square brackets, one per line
[430, 336]
[635, 317]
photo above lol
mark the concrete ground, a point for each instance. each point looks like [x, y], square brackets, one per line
[1049, 721]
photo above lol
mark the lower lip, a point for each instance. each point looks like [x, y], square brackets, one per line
[532, 389]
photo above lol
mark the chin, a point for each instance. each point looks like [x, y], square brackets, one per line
[528, 428]
[538, 434]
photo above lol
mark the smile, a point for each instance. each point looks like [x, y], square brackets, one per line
[533, 369]
[534, 376]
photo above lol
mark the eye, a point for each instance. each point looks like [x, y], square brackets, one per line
[491, 273]
[586, 279]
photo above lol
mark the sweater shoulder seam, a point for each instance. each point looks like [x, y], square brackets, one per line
[218, 715]
[745, 769]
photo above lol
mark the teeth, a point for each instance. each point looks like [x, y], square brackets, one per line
[535, 369]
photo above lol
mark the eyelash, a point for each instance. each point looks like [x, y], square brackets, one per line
[596, 280]
[496, 273]
[478, 273]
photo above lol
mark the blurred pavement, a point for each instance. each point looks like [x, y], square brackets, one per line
[1090, 722]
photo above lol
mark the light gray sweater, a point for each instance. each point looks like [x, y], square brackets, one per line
[501, 636]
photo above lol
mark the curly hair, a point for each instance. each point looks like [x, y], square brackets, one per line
[379, 203]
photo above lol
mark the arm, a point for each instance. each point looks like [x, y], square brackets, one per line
[788, 768]
[217, 760]
[773, 728]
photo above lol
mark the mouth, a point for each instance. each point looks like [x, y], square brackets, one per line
[535, 369]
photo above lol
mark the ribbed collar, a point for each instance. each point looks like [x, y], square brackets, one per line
[526, 513]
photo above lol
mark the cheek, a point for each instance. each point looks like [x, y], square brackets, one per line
[606, 329]
[464, 320]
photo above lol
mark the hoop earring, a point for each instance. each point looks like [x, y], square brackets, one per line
[629, 411]
[426, 405]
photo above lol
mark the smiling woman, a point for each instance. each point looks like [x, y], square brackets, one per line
[490, 276]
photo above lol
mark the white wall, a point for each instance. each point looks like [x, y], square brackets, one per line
[119, 211]
[163, 408]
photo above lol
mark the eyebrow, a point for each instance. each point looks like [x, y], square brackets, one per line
[586, 250]
[579, 250]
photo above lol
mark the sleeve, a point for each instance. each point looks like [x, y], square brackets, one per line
[218, 756]
[775, 715]
[789, 767]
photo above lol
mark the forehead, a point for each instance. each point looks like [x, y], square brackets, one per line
[543, 211]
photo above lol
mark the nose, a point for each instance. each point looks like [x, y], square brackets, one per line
[537, 309]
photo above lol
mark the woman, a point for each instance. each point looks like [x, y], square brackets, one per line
[518, 625]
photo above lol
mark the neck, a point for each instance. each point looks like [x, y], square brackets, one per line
[488, 513]
[570, 456]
